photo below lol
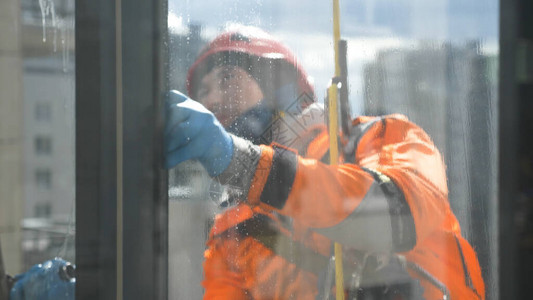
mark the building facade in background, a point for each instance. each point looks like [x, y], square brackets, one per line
[450, 91]
[49, 142]
[37, 136]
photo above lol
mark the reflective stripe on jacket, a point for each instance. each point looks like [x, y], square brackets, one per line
[314, 203]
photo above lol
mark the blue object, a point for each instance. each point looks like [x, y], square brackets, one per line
[53, 279]
[193, 132]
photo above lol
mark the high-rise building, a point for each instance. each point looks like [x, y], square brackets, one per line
[450, 91]
[49, 143]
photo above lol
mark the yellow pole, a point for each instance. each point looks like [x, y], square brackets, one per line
[333, 125]
[336, 35]
[333, 143]
[334, 158]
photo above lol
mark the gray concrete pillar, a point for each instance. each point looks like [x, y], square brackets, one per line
[11, 121]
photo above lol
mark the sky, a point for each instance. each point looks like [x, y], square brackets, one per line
[368, 25]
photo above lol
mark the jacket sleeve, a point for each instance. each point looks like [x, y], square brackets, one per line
[411, 160]
[343, 202]
[391, 196]
[221, 281]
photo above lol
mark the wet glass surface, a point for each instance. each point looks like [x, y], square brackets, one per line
[435, 63]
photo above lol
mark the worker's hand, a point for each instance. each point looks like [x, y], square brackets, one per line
[193, 132]
[53, 279]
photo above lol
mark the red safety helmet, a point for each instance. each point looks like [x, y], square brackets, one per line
[254, 42]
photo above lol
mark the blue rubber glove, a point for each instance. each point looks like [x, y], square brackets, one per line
[193, 132]
[50, 280]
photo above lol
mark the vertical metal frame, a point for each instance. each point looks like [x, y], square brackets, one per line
[145, 187]
[516, 155]
[4, 290]
[120, 83]
[507, 147]
[95, 150]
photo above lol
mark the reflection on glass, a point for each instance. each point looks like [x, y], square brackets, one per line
[37, 136]
[432, 62]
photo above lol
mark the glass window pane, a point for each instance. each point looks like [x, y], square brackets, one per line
[43, 178]
[43, 112]
[43, 145]
[36, 132]
[426, 70]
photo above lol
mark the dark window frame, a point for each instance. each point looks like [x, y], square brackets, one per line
[131, 177]
[515, 144]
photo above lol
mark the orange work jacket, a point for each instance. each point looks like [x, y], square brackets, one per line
[299, 196]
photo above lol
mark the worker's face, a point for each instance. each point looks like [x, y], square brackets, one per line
[228, 91]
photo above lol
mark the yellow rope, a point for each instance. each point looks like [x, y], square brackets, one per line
[333, 143]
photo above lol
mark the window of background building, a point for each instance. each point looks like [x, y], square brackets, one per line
[43, 111]
[43, 210]
[43, 178]
[43, 145]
